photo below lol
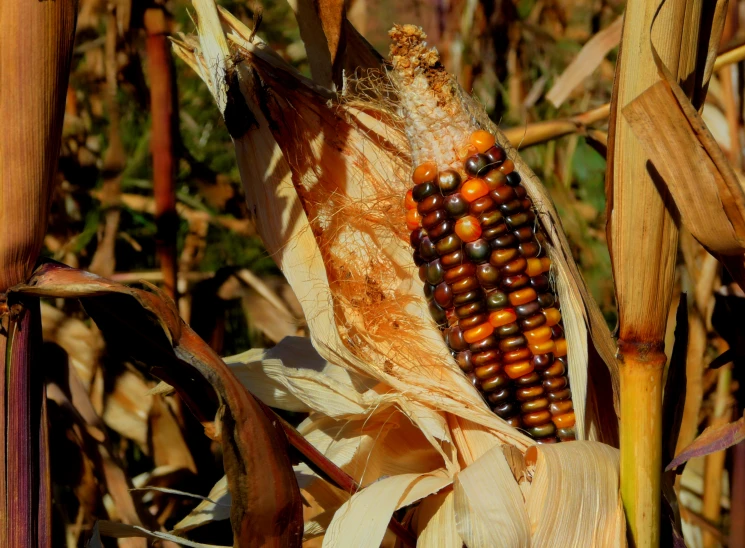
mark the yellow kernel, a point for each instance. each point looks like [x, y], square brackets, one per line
[564, 421]
[544, 347]
[522, 296]
[545, 264]
[561, 348]
[534, 267]
[553, 316]
[409, 200]
[518, 369]
[474, 189]
[413, 219]
[482, 140]
[478, 333]
[498, 318]
[425, 173]
[538, 335]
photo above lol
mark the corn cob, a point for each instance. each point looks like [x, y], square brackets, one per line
[485, 275]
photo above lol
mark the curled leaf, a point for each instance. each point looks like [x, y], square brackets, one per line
[711, 440]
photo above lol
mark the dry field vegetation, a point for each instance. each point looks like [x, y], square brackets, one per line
[213, 328]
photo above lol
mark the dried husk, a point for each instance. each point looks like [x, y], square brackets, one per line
[325, 179]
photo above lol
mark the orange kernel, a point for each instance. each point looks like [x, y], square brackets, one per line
[545, 347]
[413, 219]
[545, 264]
[553, 316]
[522, 296]
[518, 369]
[564, 421]
[474, 189]
[482, 140]
[409, 200]
[425, 173]
[538, 335]
[468, 228]
[498, 318]
[478, 333]
[561, 348]
[534, 267]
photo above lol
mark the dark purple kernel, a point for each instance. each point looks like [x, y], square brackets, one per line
[433, 219]
[513, 178]
[445, 228]
[443, 295]
[456, 206]
[475, 164]
[448, 181]
[529, 309]
[495, 156]
[422, 191]
[427, 249]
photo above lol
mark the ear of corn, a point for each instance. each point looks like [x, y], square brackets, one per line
[486, 279]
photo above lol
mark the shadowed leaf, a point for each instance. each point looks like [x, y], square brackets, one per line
[711, 441]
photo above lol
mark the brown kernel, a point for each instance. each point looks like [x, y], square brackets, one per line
[538, 404]
[560, 395]
[517, 355]
[536, 418]
[560, 407]
[497, 381]
[555, 383]
[529, 392]
[488, 370]
[469, 323]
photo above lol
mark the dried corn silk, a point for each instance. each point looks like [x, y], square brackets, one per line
[481, 254]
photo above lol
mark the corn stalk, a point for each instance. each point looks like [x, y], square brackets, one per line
[163, 135]
[35, 50]
[643, 238]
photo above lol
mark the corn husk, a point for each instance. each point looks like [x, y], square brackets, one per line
[325, 177]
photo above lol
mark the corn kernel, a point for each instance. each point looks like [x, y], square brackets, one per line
[564, 421]
[538, 335]
[507, 167]
[478, 333]
[409, 201]
[466, 151]
[498, 318]
[473, 189]
[413, 219]
[482, 140]
[468, 228]
[545, 264]
[561, 348]
[425, 173]
[536, 418]
[518, 369]
[553, 316]
[544, 347]
[522, 296]
[534, 267]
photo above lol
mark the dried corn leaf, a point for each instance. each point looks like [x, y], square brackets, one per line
[703, 184]
[266, 501]
[215, 507]
[587, 60]
[711, 440]
[121, 530]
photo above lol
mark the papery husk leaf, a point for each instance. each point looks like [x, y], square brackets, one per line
[487, 516]
[362, 521]
[435, 521]
[579, 479]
